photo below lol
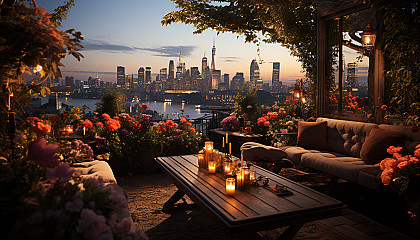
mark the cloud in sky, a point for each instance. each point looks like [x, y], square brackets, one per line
[161, 51]
[104, 73]
[230, 59]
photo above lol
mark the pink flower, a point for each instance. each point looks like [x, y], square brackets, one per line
[61, 173]
[249, 107]
[42, 153]
[93, 226]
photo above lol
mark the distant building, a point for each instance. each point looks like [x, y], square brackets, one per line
[163, 77]
[205, 73]
[254, 73]
[275, 78]
[120, 76]
[148, 75]
[351, 84]
[171, 75]
[216, 77]
[237, 81]
[141, 77]
[213, 53]
[224, 85]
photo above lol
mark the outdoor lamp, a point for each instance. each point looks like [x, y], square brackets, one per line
[296, 91]
[368, 36]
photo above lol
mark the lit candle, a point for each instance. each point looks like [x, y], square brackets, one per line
[70, 129]
[253, 176]
[227, 138]
[227, 167]
[246, 175]
[212, 167]
[230, 186]
[242, 159]
[209, 152]
[230, 148]
[239, 179]
[84, 131]
[201, 158]
[223, 143]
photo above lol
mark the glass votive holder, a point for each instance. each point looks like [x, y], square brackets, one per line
[239, 179]
[227, 166]
[212, 167]
[246, 175]
[201, 162]
[230, 186]
[209, 147]
[253, 176]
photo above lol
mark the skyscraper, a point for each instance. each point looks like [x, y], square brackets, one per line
[213, 53]
[237, 81]
[216, 77]
[254, 73]
[148, 75]
[275, 78]
[163, 76]
[351, 84]
[120, 76]
[171, 75]
[141, 77]
[205, 72]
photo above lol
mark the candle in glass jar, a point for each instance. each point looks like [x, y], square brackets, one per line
[246, 175]
[239, 179]
[201, 158]
[230, 186]
[212, 167]
[253, 176]
[227, 166]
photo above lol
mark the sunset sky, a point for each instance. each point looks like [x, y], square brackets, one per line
[129, 33]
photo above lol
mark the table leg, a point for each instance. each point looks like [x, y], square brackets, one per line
[171, 202]
[290, 232]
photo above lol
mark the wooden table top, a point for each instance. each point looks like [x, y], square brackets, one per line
[254, 207]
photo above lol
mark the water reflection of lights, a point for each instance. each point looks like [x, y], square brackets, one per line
[182, 106]
[164, 106]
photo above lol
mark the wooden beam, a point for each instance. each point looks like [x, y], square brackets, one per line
[321, 66]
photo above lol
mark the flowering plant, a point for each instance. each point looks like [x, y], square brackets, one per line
[403, 171]
[230, 123]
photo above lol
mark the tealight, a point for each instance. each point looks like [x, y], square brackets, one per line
[212, 167]
[230, 186]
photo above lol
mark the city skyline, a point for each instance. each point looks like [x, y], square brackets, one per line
[129, 34]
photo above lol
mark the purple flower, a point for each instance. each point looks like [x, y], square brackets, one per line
[124, 132]
[42, 153]
[249, 107]
[62, 173]
[230, 122]
[178, 131]
[67, 149]
[76, 143]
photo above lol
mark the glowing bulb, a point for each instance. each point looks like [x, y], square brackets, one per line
[303, 100]
[297, 95]
[38, 68]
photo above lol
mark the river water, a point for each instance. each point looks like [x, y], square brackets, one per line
[169, 110]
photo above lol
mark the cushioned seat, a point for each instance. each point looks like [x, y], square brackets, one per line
[347, 167]
[95, 169]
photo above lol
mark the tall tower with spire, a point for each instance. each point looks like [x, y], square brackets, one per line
[213, 52]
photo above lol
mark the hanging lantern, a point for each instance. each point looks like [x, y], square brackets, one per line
[368, 36]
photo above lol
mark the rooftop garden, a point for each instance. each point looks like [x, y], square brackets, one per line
[45, 187]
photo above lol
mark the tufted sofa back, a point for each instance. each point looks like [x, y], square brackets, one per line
[346, 137]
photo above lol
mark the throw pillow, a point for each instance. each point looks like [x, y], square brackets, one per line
[377, 142]
[312, 135]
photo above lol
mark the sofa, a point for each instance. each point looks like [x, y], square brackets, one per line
[342, 156]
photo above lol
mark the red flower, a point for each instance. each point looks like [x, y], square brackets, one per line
[144, 106]
[99, 124]
[287, 101]
[267, 108]
[87, 124]
[162, 129]
[183, 120]
[170, 123]
[40, 129]
[113, 125]
[267, 123]
[116, 118]
[296, 101]
[65, 115]
[106, 116]
[383, 107]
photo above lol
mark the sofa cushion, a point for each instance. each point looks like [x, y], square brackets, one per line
[374, 148]
[312, 135]
[254, 152]
[412, 139]
[95, 169]
[343, 167]
[346, 137]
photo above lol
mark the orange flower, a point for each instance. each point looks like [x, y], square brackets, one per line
[383, 107]
[267, 123]
[391, 150]
[113, 125]
[183, 120]
[192, 129]
[144, 106]
[87, 124]
[170, 123]
[99, 124]
[40, 129]
[106, 116]
[162, 129]
[189, 124]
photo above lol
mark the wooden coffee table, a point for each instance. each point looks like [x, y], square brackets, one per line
[253, 209]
